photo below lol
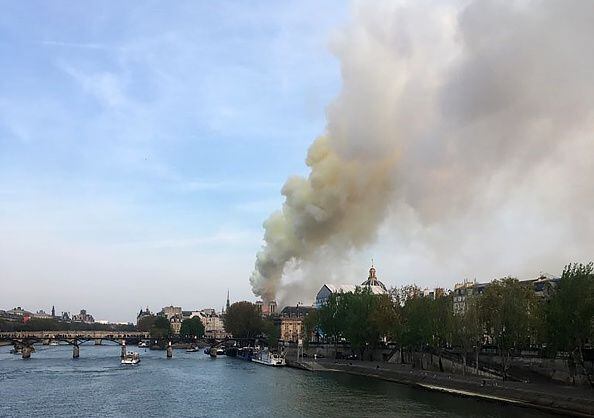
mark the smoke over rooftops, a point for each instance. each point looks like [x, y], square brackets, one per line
[447, 112]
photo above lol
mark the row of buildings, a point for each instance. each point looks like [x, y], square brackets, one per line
[19, 314]
[212, 321]
[290, 319]
[542, 286]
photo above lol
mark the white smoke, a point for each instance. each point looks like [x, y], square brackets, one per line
[447, 112]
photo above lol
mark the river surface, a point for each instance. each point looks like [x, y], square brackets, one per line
[52, 384]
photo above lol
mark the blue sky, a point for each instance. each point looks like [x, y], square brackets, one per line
[142, 146]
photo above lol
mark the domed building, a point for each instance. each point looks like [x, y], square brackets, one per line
[372, 283]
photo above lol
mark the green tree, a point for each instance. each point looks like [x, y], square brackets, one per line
[42, 324]
[271, 331]
[360, 317]
[192, 328]
[468, 332]
[384, 316]
[569, 314]
[506, 309]
[146, 323]
[442, 323]
[398, 297]
[417, 322]
[6, 325]
[354, 320]
[311, 323]
[330, 318]
[243, 320]
[161, 328]
[422, 322]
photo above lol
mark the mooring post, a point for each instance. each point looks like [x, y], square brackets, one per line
[75, 350]
[169, 350]
[26, 352]
[123, 353]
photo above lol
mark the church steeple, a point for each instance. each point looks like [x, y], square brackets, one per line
[227, 306]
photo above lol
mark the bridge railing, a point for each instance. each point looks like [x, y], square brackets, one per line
[74, 334]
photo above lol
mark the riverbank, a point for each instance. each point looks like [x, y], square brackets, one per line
[560, 399]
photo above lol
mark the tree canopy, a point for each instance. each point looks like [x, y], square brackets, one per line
[569, 314]
[161, 328]
[193, 328]
[360, 317]
[507, 310]
[146, 323]
[243, 320]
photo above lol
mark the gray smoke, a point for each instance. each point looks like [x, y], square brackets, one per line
[446, 110]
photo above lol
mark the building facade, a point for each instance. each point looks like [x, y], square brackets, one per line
[142, 314]
[83, 316]
[41, 314]
[171, 311]
[290, 322]
[214, 326]
[18, 311]
[176, 321]
[436, 293]
[542, 286]
[7, 316]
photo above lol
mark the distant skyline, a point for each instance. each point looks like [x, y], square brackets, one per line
[142, 146]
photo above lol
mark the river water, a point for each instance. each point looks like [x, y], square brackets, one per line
[52, 384]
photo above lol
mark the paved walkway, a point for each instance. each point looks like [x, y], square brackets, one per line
[571, 400]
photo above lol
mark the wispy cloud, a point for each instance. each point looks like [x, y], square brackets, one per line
[77, 45]
[107, 87]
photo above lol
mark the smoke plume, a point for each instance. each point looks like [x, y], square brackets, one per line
[448, 112]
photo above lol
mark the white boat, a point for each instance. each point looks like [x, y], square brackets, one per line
[269, 359]
[143, 344]
[214, 351]
[131, 358]
[54, 343]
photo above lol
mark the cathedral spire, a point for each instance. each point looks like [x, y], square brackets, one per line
[227, 306]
